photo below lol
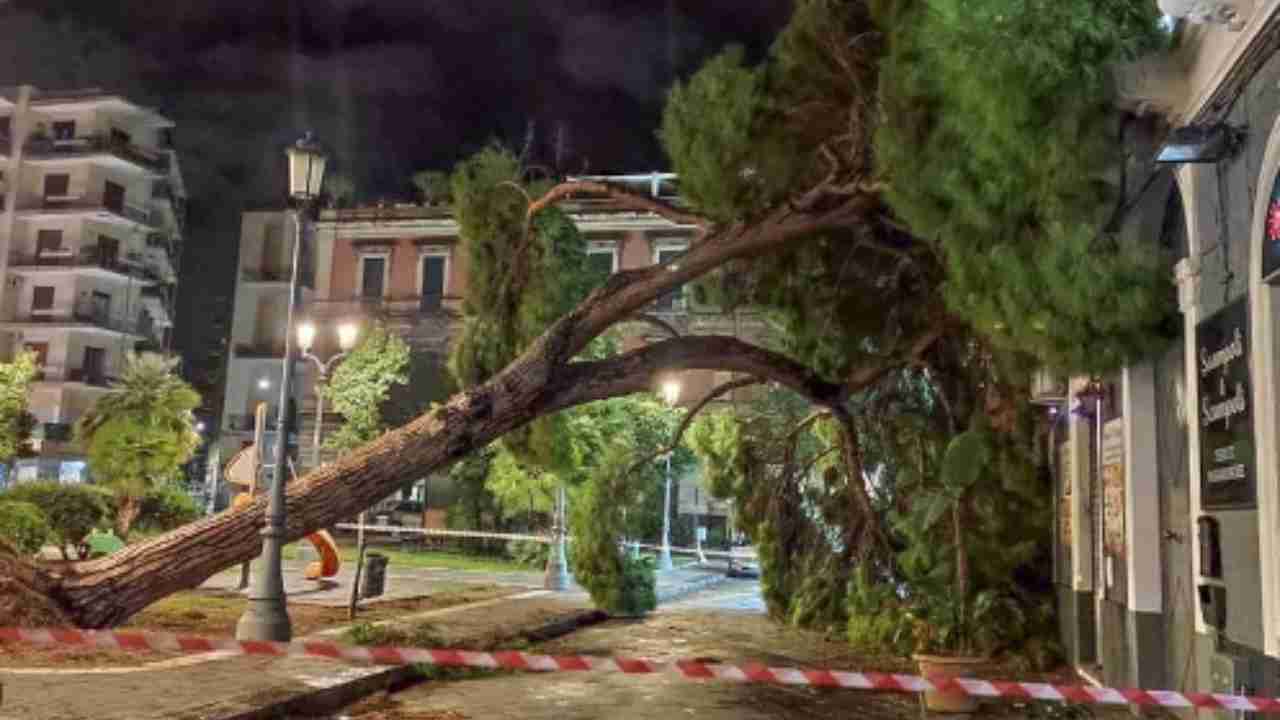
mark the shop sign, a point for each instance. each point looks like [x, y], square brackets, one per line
[1227, 474]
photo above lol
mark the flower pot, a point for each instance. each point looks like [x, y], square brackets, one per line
[948, 666]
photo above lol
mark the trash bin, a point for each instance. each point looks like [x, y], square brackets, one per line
[375, 575]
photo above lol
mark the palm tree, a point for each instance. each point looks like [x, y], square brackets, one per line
[140, 432]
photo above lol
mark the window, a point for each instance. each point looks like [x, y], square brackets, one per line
[113, 197]
[108, 251]
[601, 262]
[48, 241]
[101, 307]
[432, 280]
[64, 130]
[95, 364]
[42, 297]
[373, 273]
[664, 254]
[57, 185]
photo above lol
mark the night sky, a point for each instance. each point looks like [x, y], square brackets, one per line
[390, 86]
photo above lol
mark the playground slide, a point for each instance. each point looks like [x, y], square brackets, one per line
[327, 565]
[322, 541]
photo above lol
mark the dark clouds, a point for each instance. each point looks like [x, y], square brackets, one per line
[391, 86]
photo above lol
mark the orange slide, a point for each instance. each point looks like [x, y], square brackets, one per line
[240, 471]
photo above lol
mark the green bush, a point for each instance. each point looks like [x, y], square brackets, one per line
[24, 526]
[166, 507]
[72, 510]
[529, 553]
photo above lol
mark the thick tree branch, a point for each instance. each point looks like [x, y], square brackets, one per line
[640, 370]
[620, 195]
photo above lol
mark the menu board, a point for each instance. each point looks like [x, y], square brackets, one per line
[1113, 487]
[1227, 475]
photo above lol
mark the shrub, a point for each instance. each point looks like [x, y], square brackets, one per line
[166, 507]
[24, 526]
[72, 510]
[529, 553]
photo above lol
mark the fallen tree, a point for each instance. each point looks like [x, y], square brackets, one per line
[543, 380]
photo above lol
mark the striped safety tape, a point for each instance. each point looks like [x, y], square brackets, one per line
[689, 669]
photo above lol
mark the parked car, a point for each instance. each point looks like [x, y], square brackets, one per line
[743, 563]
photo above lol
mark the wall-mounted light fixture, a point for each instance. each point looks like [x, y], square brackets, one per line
[1204, 143]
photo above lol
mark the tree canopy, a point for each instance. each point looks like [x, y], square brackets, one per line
[362, 384]
[15, 421]
[140, 432]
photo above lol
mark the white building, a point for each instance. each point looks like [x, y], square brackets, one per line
[258, 327]
[90, 239]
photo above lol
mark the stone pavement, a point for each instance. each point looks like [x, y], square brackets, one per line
[227, 687]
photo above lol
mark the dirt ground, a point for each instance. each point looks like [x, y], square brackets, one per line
[732, 638]
[202, 612]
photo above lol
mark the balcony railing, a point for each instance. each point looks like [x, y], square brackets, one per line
[98, 377]
[85, 313]
[260, 350]
[125, 211]
[39, 148]
[89, 257]
[244, 423]
[272, 275]
[388, 307]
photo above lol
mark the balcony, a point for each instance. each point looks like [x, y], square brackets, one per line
[88, 258]
[392, 308]
[83, 315]
[126, 214]
[94, 377]
[100, 144]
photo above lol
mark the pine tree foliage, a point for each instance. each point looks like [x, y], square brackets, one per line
[523, 276]
[999, 145]
[362, 384]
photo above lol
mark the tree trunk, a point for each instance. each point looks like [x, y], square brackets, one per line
[127, 510]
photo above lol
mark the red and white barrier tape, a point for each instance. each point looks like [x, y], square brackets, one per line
[688, 669]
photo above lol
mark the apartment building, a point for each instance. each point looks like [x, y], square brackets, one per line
[402, 266]
[90, 242]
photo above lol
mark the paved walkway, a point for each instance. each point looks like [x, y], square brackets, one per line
[414, 582]
[226, 687]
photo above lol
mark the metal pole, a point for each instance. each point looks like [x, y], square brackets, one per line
[315, 442]
[355, 581]
[557, 574]
[266, 618]
[664, 559]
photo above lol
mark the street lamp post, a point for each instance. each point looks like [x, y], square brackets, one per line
[347, 334]
[557, 572]
[266, 617]
[670, 393]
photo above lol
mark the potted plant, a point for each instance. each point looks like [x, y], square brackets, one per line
[955, 625]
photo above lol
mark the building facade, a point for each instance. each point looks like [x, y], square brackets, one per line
[1165, 474]
[403, 266]
[90, 242]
